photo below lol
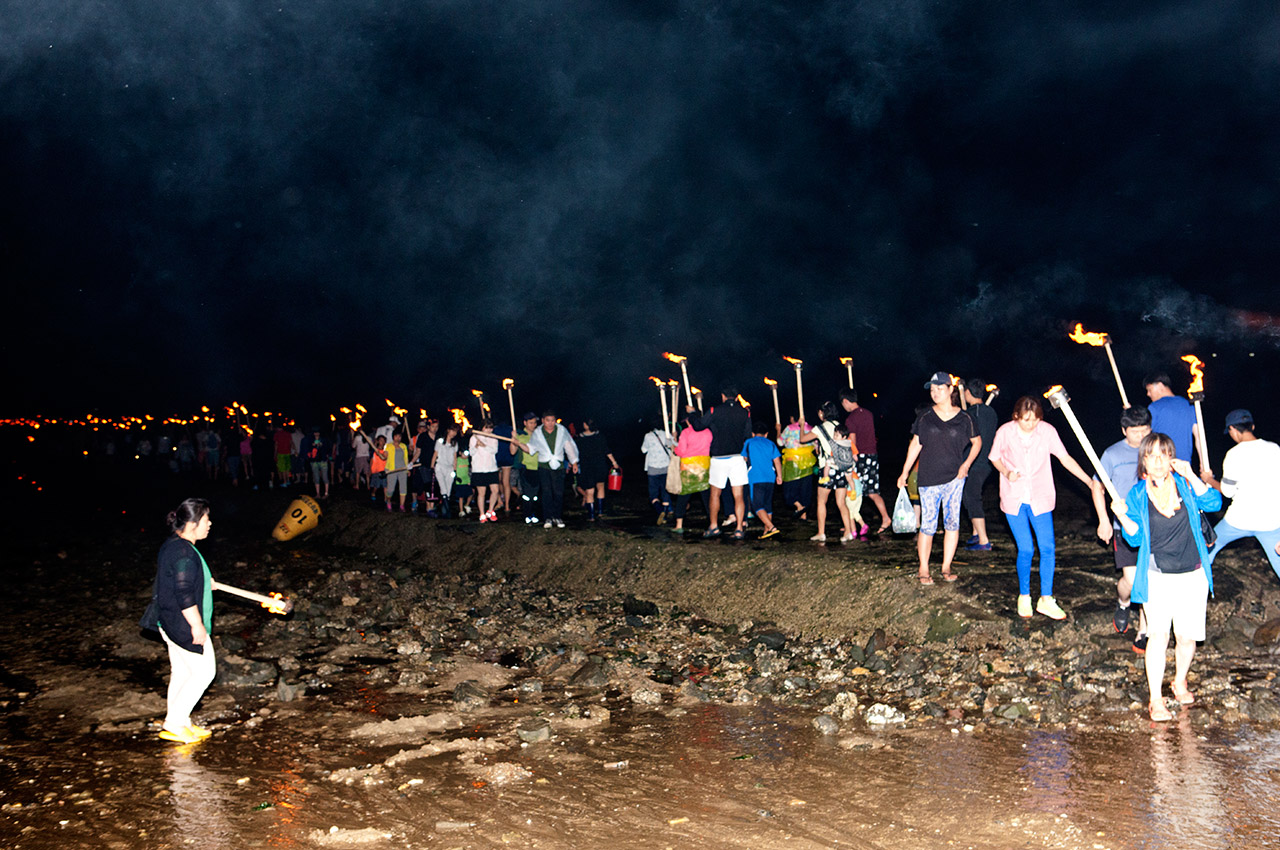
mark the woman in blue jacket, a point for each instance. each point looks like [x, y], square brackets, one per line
[182, 610]
[1161, 516]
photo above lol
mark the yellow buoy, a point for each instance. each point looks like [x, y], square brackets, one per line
[302, 515]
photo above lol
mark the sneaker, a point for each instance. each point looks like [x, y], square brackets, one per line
[972, 540]
[819, 538]
[662, 519]
[388, 507]
[846, 538]
[484, 517]
[199, 731]
[414, 506]
[1045, 605]
[1120, 619]
[975, 546]
[559, 523]
[1024, 607]
[402, 509]
[493, 517]
[1140, 644]
[547, 524]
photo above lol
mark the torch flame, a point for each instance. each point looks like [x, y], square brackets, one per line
[460, 418]
[344, 410]
[422, 413]
[390, 403]
[277, 605]
[361, 408]
[332, 418]
[770, 382]
[658, 381]
[793, 361]
[1079, 335]
[695, 390]
[955, 380]
[1197, 373]
[1056, 388]
[845, 361]
[992, 388]
[204, 408]
[673, 383]
[743, 402]
[508, 383]
[674, 358]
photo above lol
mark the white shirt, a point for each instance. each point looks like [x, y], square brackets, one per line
[484, 453]
[1251, 479]
[554, 455]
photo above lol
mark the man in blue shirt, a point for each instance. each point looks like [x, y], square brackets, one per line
[1173, 415]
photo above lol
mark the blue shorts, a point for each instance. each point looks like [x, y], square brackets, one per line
[762, 497]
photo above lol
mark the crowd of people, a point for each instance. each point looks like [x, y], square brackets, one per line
[1154, 521]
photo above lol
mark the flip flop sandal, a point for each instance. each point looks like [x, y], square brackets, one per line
[1159, 713]
[713, 532]
[739, 535]
[949, 576]
[925, 580]
[1184, 697]
[770, 533]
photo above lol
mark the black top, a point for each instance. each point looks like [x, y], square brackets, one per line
[730, 428]
[1173, 548]
[984, 419]
[943, 446]
[179, 585]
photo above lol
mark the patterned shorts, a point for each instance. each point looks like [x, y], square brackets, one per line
[945, 497]
[868, 469]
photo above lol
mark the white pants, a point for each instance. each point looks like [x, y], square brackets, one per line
[190, 674]
[1179, 601]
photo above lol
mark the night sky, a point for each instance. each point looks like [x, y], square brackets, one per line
[303, 205]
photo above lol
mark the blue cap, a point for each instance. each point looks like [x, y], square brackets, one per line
[1239, 416]
[939, 379]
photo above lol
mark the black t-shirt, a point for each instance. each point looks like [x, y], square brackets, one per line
[1172, 545]
[943, 446]
[984, 420]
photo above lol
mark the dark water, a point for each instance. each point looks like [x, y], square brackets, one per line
[710, 776]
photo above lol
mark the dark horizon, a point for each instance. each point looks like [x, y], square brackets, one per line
[306, 207]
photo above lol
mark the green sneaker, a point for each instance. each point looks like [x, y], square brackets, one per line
[1024, 606]
[1045, 605]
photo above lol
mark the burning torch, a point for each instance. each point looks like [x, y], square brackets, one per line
[992, 392]
[1095, 339]
[662, 397]
[1195, 392]
[799, 385]
[777, 411]
[847, 363]
[684, 373]
[507, 384]
[274, 602]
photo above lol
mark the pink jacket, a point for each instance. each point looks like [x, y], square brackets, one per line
[693, 443]
[1031, 460]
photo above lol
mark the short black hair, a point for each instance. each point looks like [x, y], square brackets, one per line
[1158, 378]
[729, 391]
[850, 395]
[1243, 427]
[1135, 417]
[976, 386]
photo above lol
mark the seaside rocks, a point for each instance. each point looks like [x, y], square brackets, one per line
[1266, 634]
[590, 676]
[470, 696]
[639, 607]
[826, 725]
[883, 715]
[534, 731]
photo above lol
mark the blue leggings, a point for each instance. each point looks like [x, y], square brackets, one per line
[1022, 524]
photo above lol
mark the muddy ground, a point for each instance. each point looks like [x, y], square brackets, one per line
[451, 684]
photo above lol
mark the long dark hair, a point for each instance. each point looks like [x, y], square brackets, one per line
[191, 510]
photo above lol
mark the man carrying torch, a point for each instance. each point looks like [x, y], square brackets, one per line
[1174, 415]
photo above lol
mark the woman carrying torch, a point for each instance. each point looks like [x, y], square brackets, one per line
[182, 610]
[1161, 516]
[1020, 452]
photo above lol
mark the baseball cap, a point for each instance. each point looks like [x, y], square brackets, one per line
[939, 378]
[1239, 416]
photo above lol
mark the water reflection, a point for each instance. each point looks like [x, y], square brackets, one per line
[199, 800]
[1187, 797]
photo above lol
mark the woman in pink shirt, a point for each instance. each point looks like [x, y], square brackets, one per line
[1020, 453]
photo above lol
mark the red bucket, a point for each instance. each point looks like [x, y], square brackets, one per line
[615, 479]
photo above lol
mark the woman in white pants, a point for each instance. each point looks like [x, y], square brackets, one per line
[182, 610]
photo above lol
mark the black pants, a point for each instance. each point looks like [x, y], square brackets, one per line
[971, 499]
[682, 502]
[551, 495]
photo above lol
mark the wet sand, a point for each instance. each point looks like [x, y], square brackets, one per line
[377, 748]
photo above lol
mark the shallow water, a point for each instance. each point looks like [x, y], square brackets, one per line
[707, 776]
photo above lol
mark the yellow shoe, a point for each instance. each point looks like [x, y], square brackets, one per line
[1024, 606]
[1047, 606]
[185, 736]
[199, 731]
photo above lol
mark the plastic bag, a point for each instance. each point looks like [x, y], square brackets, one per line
[904, 515]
